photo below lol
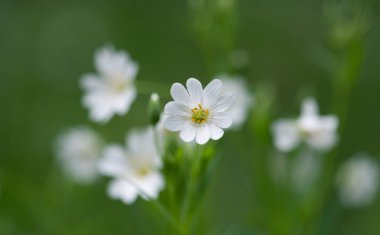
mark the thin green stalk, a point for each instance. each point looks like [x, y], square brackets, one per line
[168, 216]
[205, 178]
[185, 216]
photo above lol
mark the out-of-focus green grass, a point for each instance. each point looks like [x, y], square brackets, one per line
[46, 45]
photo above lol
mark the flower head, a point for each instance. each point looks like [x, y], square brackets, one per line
[318, 132]
[199, 113]
[358, 181]
[135, 169]
[112, 90]
[78, 151]
[243, 99]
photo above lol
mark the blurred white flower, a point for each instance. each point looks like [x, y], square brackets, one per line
[317, 131]
[78, 151]
[199, 114]
[135, 169]
[243, 99]
[112, 90]
[358, 181]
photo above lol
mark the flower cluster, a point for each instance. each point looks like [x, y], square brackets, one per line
[136, 169]
[151, 160]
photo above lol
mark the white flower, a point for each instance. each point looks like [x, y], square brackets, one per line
[318, 132]
[358, 181]
[135, 169]
[243, 99]
[198, 114]
[78, 151]
[112, 90]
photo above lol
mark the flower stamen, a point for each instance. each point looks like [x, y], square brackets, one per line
[119, 84]
[143, 171]
[200, 115]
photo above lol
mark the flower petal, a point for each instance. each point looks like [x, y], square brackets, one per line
[114, 161]
[112, 63]
[309, 107]
[174, 108]
[329, 122]
[141, 142]
[222, 120]
[285, 134]
[212, 92]
[323, 140]
[91, 82]
[188, 132]
[97, 98]
[100, 105]
[223, 102]
[325, 137]
[180, 94]
[215, 132]
[194, 87]
[244, 100]
[174, 123]
[123, 102]
[203, 134]
[150, 185]
[123, 190]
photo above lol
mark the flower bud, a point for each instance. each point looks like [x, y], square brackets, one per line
[154, 109]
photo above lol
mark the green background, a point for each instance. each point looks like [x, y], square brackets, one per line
[45, 46]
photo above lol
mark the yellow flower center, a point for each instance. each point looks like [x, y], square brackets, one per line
[119, 84]
[304, 133]
[200, 115]
[143, 171]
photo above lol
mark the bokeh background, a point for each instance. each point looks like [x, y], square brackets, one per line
[45, 46]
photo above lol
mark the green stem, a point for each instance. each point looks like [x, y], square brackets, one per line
[168, 216]
[156, 137]
[185, 216]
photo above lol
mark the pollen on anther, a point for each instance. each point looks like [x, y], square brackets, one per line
[200, 115]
